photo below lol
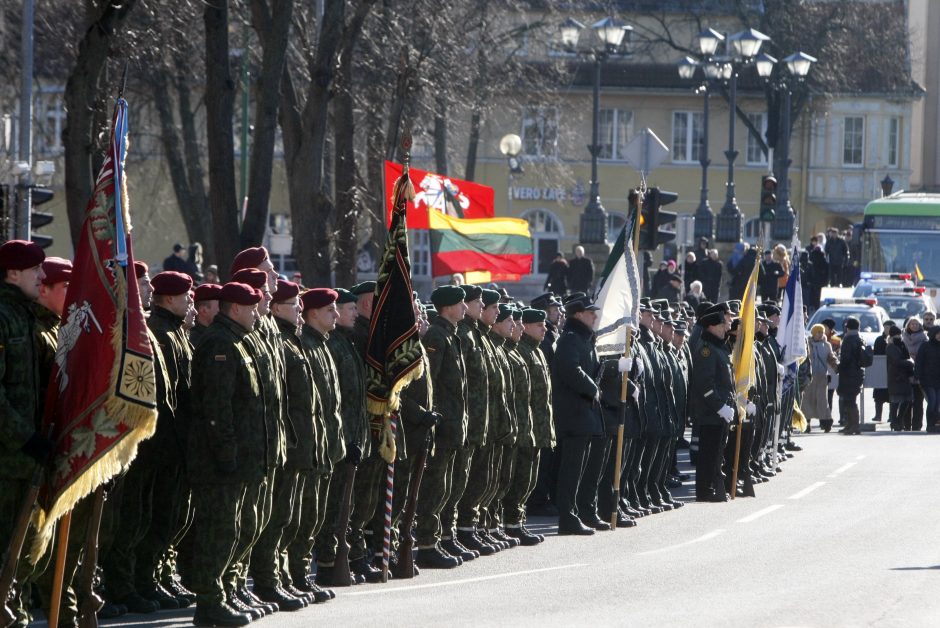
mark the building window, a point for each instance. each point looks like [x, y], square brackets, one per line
[853, 141]
[616, 127]
[49, 119]
[540, 131]
[420, 250]
[894, 133]
[755, 156]
[688, 136]
[546, 233]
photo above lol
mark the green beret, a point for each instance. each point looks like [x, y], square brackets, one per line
[533, 315]
[516, 314]
[471, 292]
[447, 295]
[505, 312]
[345, 296]
[363, 288]
[490, 296]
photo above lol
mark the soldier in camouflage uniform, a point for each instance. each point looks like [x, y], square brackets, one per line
[206, 302]
[226, 448]
[22, 446]
[448, 380]
[348, 345]
[540, 500]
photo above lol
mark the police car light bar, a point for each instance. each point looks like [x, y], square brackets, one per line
[900, 290]
[869, 301]
[869, 275]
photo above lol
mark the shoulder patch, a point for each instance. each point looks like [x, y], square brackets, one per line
[430, 349]
[705, 352]
[221, 358]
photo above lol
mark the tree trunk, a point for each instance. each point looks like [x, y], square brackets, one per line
[81, 98]
[347, 211]
[375, 176]
[273, 28]
[220, 102]
[472, 143]
[440, 135]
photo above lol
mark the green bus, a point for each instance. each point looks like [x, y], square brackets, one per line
[901, 234]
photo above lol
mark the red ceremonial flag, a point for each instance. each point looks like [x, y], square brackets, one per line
[102, 393]
[450, 196]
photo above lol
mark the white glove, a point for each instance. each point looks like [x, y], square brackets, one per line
[636, 394]
[780, 370]
[624, 365]
[751, 408]
[639, 368]
[727, 413]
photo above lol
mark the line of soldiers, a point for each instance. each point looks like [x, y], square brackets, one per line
[266, 460]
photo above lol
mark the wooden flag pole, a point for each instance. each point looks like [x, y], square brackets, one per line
[62, 546]
[737, 455]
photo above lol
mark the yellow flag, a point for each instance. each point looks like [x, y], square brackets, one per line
[743, 358]
[918, 275]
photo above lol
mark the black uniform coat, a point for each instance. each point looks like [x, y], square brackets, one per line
[575, 400]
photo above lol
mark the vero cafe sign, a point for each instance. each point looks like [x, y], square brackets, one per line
[520, 193]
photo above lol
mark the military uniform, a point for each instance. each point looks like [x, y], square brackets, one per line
[504, 430]
[711, 384]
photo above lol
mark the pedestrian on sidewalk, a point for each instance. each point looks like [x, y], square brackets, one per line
[927, 372]
[815, 405]
[900, 388]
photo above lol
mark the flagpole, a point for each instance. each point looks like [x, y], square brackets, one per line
[624, 381]
[59, 573]
[747, 302]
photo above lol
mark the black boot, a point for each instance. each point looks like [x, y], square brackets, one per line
[219, 615]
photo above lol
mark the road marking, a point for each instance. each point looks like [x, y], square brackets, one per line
[806, 491]
[463, 581]
[760, 513]
[860, 457]
[700, 539]
[843, 468]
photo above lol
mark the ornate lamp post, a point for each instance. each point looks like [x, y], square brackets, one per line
[609, 35]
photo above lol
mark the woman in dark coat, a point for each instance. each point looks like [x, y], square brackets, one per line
[900, 389]
[881, 394]
[927, 372]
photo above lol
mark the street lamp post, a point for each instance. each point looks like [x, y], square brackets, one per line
[610, 33]
[798, 65]
[741, 47]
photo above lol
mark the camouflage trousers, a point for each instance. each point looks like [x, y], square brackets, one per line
[523, 483]
[325, 543]
[507, 469]
[266, 555]
[130, 512]
[254, 513]
[170, 517]
[215, 532]
[463, 463]
[310, 508]
[435, 494]
[368, 492]
[484, 475]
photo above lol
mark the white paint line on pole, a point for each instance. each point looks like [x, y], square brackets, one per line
[760, 513]
[700, 539]
[449, 583]
[806, 491]
[842, 469]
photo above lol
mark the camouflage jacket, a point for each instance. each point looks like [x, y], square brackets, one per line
[352, 384]
[326, 380]
[540, 397]
[503, 426]
[228, 415]
[415, 401]
[20, 392]
[173, 420]
[477, 363]
[359, 335]
[47, 339]
[196, 334]
[303, 407]
[518, 393]
[449, 382]
[268, 376]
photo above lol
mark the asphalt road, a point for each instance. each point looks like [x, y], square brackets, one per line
[846, 535]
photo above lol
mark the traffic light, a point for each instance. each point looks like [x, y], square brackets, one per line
[40, 195]
[647, 240]
[653, 218]
[768, 197]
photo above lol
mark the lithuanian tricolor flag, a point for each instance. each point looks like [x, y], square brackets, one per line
[501, 247]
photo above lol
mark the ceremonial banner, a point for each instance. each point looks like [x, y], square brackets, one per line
[500, 246]
[102, 392]
[791, 334]
[447, 195]
[394, 351]
[743, 358]
[618, 294]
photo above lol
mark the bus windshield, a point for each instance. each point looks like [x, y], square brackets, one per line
[898, 252]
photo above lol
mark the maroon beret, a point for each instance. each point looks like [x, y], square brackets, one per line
[208, 292]
[171, 283]
[57, 270]
[286, 290]
[251, 276]
[249, 258]
[239, 293]
[20, 255]
[318, 297]
[141, 269]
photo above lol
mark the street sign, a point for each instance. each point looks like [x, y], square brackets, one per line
[645, 152]
[685, 230]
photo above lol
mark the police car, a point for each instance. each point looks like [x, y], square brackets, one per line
[903, 303]
[869, 283]
[870, 315]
